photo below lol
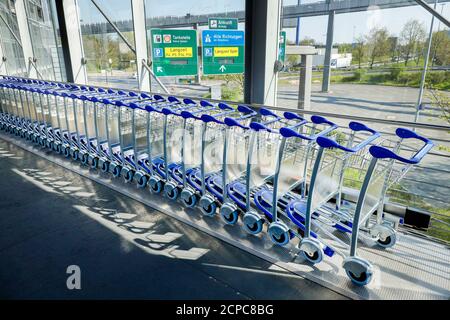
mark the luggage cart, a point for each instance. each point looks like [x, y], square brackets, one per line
[152, 174]
[64, 101]
[391, 160]
[260, 161]
[208, 154]
[231, 184]
[43, 113]
[146, 153]
[292, 161]
[172, 142]
[197, 125]
[10, 117]
[141, 144]
[127, 131]
[312, 215]
[27, 123]
[186, 155]
[84, 106]
[36, 109]
[55, 104]
[108, 123]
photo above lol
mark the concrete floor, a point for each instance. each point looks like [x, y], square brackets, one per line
[52, 218]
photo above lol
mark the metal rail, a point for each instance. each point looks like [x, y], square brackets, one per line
[307, 112]
[433, 12]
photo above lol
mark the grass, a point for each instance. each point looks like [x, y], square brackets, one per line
[440, 219]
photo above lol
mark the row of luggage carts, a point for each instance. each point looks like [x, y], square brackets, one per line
[272, 173]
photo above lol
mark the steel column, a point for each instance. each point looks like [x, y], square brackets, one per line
[140, 40]
[425, 67]
[329, 47]
[75, 43]
[25, 37]
[304, 90]
[262, 34]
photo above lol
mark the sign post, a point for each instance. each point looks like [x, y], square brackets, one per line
[174, 52]
[223, 51]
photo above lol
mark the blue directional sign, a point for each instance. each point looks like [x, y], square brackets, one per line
[223, 51]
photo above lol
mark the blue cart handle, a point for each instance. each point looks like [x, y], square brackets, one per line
[326, 142]
[289, 132]
[382, 152]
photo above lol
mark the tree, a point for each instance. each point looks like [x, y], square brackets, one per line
[412, 38]
[292, 60]
[377, 44]
[344, 47]
[440, 48]
[307, 42]
[359, 49]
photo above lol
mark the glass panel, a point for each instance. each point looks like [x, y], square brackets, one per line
[110, 62]
[48, 54]
[377, 63]
[12, 50]
[377, 59]
[217, 70]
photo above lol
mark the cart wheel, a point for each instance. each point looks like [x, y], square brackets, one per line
[311, 250]
[387, 236]
[94, 163]
[229, 213]
[253, 223]
[279, 233]
[189, 198]
[156, 185]
[208, 206]
[50, 144]
[58, 148]
[105, 166]
[117, 169]
[67, 152]
[359, 270]
[171, 190]
[75, 155]
[128, 176]
[142, 181]
[363, 279]
[388, 242]
[85, 159]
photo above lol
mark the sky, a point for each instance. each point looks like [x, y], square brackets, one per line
[347, 25]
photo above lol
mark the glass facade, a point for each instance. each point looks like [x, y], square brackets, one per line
[220, 67]
[110, 61]
[10, 40]
[46, 48]
[377, 60]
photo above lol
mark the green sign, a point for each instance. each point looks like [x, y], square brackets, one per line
[282, 47]
[223, 51]
[174, 52]
[223, 23]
